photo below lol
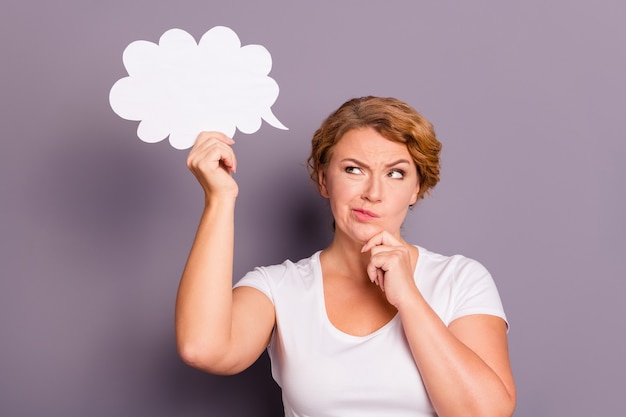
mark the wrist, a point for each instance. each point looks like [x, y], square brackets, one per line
[409, 299]
[220, 201]
[220, 197]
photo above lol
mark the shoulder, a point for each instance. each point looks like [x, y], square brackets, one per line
[302, 268]
[455, 275]
[272, 279]
[457, 286]
[454, 266]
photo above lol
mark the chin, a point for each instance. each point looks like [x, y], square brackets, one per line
[365, 234]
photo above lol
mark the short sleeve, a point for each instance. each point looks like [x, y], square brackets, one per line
[475, 291]
[257, 278]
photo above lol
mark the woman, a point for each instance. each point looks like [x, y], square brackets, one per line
[369, 326]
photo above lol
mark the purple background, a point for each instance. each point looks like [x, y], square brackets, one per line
[528, 99]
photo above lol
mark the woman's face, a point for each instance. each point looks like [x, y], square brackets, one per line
[370, 182]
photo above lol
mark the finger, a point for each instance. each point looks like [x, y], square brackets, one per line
[208, 158]
[381, 249]
[228, 160]
[207, 140]
[382, 238]
[380, 278]
[372, 272]
[376, 269]
[207, 136]
[229, 164]
[375, 240]
[213, 152]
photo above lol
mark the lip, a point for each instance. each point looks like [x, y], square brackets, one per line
[364, 215]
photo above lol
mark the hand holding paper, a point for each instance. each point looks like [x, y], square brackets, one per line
[179, 88]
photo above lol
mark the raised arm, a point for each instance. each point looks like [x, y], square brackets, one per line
[218, 330]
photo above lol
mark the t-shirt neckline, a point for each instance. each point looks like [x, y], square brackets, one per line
[317, 270]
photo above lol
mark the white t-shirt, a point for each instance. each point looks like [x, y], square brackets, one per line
[324, 372]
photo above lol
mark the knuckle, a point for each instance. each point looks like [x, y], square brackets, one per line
[190, 162]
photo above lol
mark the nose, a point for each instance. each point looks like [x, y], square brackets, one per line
[373, 190]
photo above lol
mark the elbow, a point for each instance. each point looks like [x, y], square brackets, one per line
[501, 410]
[199, 350]
[502, 405]
[191, 355]
[509, 407]
[492, 406]
[509, 402]
[205, 358]
[505, 408]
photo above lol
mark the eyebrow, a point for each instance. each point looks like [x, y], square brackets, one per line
[357, 162]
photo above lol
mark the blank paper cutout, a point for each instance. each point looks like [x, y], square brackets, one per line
[179, 88]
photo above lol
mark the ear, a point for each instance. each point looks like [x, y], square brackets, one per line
[414, 196]
[321, 181]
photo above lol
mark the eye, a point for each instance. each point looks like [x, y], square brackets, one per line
[396, 174]
[353, 170]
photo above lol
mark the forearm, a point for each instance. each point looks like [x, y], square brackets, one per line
[458, 381]
[204, 300]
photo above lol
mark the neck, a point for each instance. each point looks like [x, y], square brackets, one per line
[344, 257]
[347, 259]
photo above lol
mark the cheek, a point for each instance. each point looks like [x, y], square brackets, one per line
[406, 198]
[338, 188]
[337, 195]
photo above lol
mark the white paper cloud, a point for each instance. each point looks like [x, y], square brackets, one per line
[181, 88]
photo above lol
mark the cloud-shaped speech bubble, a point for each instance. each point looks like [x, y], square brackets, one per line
[181, 88]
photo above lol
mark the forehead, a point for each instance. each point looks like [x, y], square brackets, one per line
[367, 144]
